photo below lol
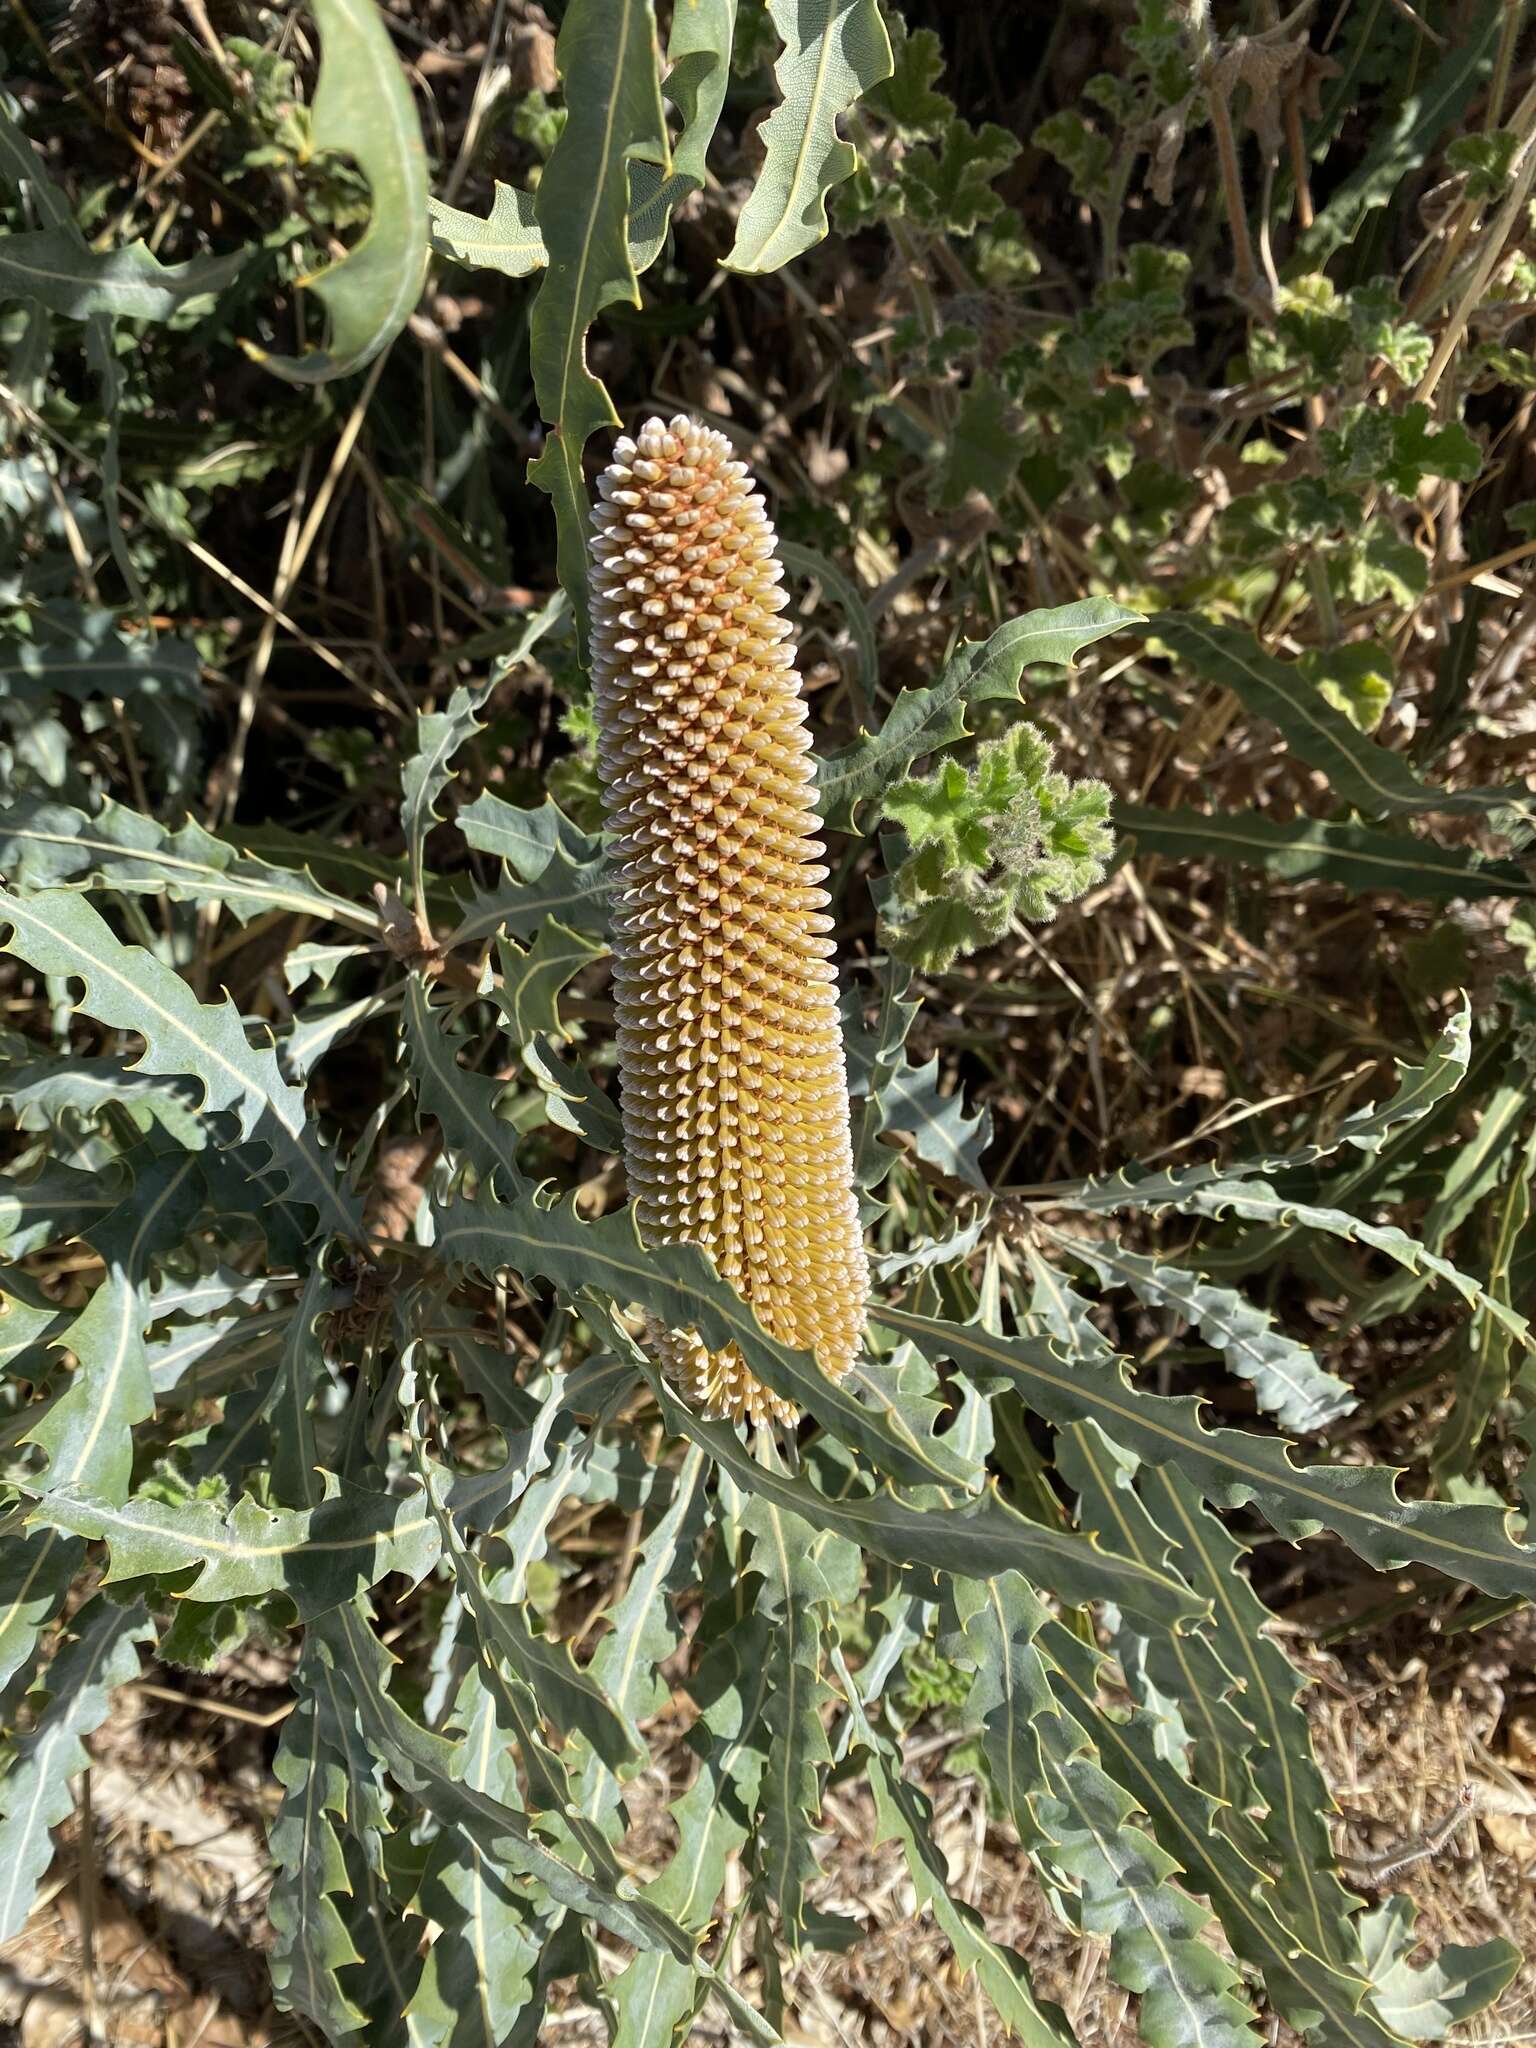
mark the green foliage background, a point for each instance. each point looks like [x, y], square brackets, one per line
[1153, 467]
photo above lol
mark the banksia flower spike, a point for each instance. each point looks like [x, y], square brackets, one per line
[735, 1097]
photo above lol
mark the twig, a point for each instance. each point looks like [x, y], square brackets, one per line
[1378, 1870]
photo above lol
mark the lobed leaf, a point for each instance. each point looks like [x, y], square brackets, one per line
[1359, 1503]
[363, 109]
[608, 60]
[57, 932]
[980, 671]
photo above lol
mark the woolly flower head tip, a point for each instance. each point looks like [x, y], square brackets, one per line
[734, 1093]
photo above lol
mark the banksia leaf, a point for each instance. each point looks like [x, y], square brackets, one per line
[735, 1098]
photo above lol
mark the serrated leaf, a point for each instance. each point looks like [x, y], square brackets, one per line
[834, 50]
[363, 109]
[87, 1432]
[531, 981]
[573, 891]
[57, 932]
[101, 1654]
[942, 1133]
[1236, 1689]
[79, 653]
[655, 1997]
[643, 1631]
[463, 1102]
[507, 239]
[317, 1556]
[36, 1569]
[312, 1942]
[527, 840]
[608, 60]
[806, 1574]
[1359, 1503]
[23, 169]
[922, 721]
[480, 1971]
[571, 1699]
[60, 1201]
[1418, 1091]
[1307, 1990]
[1255, 1201]
[42, 1090]
[1284, 1769]
[424, 777]
[1472, 1169]
[903, 1815]
[1287, 1380]
[1424, 2001]
[1326, 850]
[29, 1320]
[44, 843]
[1179, 1678]
[315, 1030]
[977, 1540]
[56, 268]
[510, 239]
[422, 1763]
[1482, 1358]
[678, 1284]
[1076, 1820]
[1366, 775]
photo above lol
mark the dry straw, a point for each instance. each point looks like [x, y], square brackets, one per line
[735, 1097]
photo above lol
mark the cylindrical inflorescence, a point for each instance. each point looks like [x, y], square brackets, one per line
[735, 1096]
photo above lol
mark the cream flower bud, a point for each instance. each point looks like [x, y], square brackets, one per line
[735, 1095]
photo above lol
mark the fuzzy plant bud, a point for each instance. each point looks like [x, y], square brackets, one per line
[734, 1092]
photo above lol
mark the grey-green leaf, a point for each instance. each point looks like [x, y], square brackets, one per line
[834, 51]
[364, 109]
